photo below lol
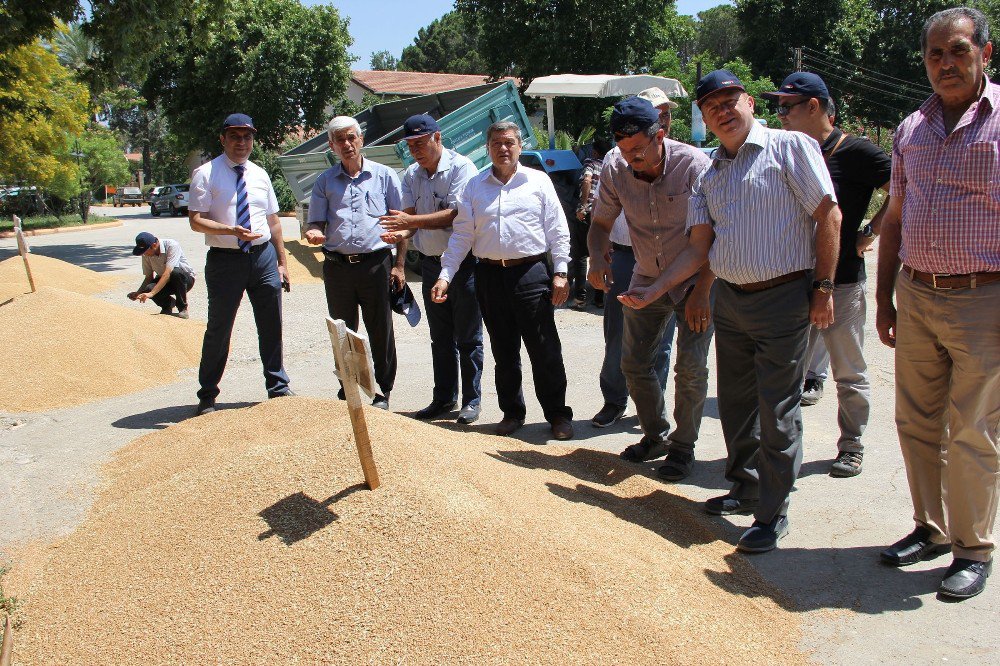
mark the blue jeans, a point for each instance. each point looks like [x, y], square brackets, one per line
[613, 386]
[456, 332]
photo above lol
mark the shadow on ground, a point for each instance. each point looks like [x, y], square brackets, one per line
[99, 258]
[299, 516]
[163, 417]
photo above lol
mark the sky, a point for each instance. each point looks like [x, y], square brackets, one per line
[391, 25]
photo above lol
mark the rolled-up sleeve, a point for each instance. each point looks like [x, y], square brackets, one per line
[393, 191]
[463, 231]
[272, 198]
[806, 172]
[607, 205]
[463, 173]
[406, 185]
[200, 193]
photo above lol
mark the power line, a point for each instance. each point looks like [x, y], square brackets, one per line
[854, 75]
[854, 82]
[919, 87]
[854, 94]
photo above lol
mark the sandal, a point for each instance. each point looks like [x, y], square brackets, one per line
[644, 451]
[676, 467]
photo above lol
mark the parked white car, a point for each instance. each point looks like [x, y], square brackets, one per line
[171, 199]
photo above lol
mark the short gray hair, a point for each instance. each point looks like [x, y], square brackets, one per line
[339, 123]
[980, 26]
[503, 126]
[831, 107]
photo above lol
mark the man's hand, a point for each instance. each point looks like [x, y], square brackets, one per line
[397, 277]
[885, 324]
[315, 237]
[393, 237]
[821, 309]
[244, 234]
[637, 297]
[142, 297]
[439, 292]
[698, 310]
[132, 295]
[863, 244]
[599, 273]
[581, 214]
[397, 220]
[286, 284]
[560, 290]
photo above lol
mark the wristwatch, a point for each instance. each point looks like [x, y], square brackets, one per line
[561, 274]
[867, 231]
[826, 286]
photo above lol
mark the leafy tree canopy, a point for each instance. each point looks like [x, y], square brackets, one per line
[24, 20]
[384, 61]
[449, 44]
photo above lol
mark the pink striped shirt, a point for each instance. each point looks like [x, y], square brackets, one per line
[950, 184]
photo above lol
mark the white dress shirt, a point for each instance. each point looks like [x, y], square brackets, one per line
[520, 218]
[213, 192]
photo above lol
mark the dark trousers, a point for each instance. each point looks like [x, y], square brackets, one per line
[516, 303]
[578, 252]
[227, 276]
[178, 285]
[760, 344]
[456, 332]
[365, 285]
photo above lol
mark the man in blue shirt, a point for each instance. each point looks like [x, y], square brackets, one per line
[347, 201]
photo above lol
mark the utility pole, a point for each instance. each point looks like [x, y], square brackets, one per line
[798, 58]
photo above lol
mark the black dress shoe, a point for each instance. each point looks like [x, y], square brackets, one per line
[287, 393]
[727, 505]
[469, 414]
[205, 406]
[562, 428]
[762, 537]
[435, 409]
[965, 578]
[381, 402]
[607, 416]
[914, 547]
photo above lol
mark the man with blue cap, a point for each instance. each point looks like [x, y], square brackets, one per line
[431, 190]
[765, 215]
[650, 179]
[167, 276]
[857, 167]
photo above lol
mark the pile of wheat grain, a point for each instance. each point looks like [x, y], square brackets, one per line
[49, 272]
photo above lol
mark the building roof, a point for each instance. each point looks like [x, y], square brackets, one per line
[414, 83]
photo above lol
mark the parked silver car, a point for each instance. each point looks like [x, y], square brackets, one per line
[171, 199]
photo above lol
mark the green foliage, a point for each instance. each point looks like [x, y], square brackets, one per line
[40, 105]
[449, 44]
[268, 160]
[39, 222]
[275, 60]
[104, 160]
[383, 61]
[25, 20]
[719, 32]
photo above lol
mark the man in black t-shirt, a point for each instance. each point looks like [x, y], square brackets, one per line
[857, 167]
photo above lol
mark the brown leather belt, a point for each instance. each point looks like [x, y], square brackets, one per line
[949, 281]
[512, 262]
[767, 284]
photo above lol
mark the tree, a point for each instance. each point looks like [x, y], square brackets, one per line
[275, 60]
[383, 61]
[24, 20]
[719, 32]
[449, 44]
[45, 106]
[104, 160]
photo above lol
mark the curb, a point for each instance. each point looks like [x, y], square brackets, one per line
[63, 230]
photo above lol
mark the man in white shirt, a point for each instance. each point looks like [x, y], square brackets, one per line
[510, 218]
[233, 204]
[167, 276]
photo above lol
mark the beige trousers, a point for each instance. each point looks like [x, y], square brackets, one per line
[948, 410]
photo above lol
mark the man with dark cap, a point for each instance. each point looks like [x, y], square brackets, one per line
[233, 204]
[650, 179]
[857, 167]
[765, 215]
[431, 190]
[167, 276]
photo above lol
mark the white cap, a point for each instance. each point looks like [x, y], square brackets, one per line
[657, 98]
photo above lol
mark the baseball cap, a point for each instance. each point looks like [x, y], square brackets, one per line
[806, 84]
[240, 120]
[419, 125]
[633, 115]
[143, 242]
[402, 302]
[657, 97]
[720, 79]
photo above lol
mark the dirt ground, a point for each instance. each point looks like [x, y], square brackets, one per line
[851, 609]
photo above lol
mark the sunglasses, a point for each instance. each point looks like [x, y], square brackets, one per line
[785, 109]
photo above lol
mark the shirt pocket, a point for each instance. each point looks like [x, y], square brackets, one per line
[977, 169]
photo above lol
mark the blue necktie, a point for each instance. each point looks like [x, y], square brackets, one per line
[242, 205]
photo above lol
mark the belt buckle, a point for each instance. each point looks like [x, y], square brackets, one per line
[503, 263]
[934, 279]
[353, 259]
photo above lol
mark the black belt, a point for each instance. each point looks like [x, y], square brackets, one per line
[517, 261]
[339, 258]
[254, 249]
[618, 247]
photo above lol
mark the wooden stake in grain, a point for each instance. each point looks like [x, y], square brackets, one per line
[7, 647]
[22, 247]
[355, 369]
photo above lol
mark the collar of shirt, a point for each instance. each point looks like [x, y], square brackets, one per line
[338, 170]
[933, 110]
[756, 137]
[831, 141]
[443, 164]
[231, 163]
[518, 175]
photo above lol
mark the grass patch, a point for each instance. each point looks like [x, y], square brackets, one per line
[43, 222]
[8, 605]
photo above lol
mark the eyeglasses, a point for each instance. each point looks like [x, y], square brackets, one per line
[785, 109]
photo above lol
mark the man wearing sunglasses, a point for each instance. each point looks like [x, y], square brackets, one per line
[857, 167]
[765, 216]
[344, 210]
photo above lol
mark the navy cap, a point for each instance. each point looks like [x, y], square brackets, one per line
[402, 302]
[633, 115]
[720, 79]
[143, 242]
[417, 126]
[240, 120]
[806, 84]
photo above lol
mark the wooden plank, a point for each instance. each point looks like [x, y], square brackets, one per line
[7, 646]
[355, 406]
[22, 248]
[360, 360]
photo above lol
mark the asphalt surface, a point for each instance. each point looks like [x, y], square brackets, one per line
[854, 610]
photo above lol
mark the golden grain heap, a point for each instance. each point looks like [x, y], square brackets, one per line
[244, 536]
[49, 272]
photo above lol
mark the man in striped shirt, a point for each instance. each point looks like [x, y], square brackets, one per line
[765, 215]
[943, 226]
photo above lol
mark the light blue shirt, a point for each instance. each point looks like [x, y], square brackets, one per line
[349, 208]
[760, 204]
[519, 218]
[429, 193]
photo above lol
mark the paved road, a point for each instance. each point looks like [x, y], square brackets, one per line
[855, 610]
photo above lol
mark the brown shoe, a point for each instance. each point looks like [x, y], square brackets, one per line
[562, 428]
[508, 426]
